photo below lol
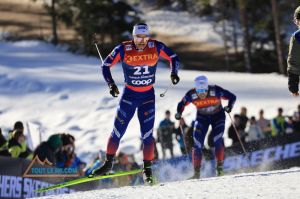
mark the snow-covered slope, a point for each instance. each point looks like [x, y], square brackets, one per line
[194, 29]
[64, 92]
[282, 184]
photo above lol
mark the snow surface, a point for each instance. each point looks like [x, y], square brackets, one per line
[64, 92]
[267, 185]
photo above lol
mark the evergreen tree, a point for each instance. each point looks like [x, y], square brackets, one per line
[110, 19]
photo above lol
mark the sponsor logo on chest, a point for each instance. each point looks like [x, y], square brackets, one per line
[141, 58]
[206, 102]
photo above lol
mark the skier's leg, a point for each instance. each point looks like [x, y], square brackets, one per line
[200, 130]
[124, 114]
[146, 115]
[218, 127]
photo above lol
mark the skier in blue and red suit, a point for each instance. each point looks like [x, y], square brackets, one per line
[139, 59]
[207, 99]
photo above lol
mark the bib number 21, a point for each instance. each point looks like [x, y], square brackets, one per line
[141, 70]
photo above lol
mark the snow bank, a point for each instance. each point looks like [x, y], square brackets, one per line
[277, 184]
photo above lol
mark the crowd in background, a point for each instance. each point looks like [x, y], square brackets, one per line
[248, 128]
[59, 149]
[251, 129]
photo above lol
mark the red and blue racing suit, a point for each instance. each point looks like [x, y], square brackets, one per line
[209, 112]
[139, 69]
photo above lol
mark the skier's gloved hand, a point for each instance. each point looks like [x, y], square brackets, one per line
[227, 109]
[293, 83]
[175, 78]
[178, 116]
[113, 89]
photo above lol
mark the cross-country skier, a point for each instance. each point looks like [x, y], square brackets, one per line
[207, 99]
[139, 59]
[294, 57]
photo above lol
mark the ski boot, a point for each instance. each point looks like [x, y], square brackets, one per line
[105, 168]
[219, 169]
[196, 173]
[147, 173]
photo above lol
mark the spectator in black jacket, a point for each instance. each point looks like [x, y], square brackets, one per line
[231, 131]
[3, 145]
[243, 118]
[17, 126]
[48, 149]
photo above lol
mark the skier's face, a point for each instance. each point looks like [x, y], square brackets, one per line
[140, 41]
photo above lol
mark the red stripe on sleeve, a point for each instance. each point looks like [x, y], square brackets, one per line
[115, 60]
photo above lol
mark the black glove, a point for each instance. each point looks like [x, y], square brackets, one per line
[293, 82]
[227, 109]
[175, 78]
[113, 89]
[178, 116]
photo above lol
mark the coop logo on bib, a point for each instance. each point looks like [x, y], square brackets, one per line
[141, 82]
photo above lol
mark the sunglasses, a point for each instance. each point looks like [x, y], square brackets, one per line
[201, 91]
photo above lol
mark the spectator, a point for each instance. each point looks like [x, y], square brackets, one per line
[188, 138]
[264, 124]
[278, 124]
[296, 119]
[180, 132]
[289, 126]
[17, 126]
[126, 162]
[66, 157]
[3, 145]
[293, 59]
[165, 134]
[231, 131]
[48, 149]
[243, 118]
[254, 131]
[17, 146]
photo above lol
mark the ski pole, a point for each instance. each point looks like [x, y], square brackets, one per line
[95, 42]
[237, 134]
[164, 93]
